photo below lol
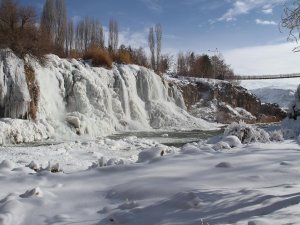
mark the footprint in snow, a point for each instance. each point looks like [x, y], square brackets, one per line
[36, 192]
[60, 218]
[224, 165]
[286, 163]
[128, 205]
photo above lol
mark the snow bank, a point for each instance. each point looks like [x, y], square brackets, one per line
[247, 133]
[79, 99]
[19, 131]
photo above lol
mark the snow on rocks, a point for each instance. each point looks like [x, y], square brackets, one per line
[35, 192]
[6, 165]
[233, 141]
[149, 154]
[247, 133]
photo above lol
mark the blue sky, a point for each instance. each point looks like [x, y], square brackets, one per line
[233, 26]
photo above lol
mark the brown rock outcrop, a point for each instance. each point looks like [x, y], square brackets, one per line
[225, 93]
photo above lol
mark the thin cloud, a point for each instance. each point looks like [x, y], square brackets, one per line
[240, 7]
[135, 39]
[265, 22]
[154, 5]
[267, 9]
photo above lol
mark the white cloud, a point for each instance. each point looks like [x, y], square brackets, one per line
[267, 11]
[135, 39]
[265, 22]
[240, 7]
[268, 59]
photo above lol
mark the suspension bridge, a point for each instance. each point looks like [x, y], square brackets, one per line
[268, 77]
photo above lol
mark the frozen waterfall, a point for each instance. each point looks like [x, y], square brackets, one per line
[79, 99]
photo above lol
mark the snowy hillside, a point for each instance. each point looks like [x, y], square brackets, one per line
[76, 98]
[272, 95]
[278, 91]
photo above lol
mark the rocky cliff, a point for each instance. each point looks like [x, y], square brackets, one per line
[225, 102]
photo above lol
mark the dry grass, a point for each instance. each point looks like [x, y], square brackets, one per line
[122, 57]
[99, 57]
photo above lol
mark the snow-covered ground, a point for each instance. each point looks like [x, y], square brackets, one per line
[247, 176]
[250, 184]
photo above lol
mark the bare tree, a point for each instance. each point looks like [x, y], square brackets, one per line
[60, 23]
[158, 34]
[182, 65]
[17, 28]
[69, 37]
[139, 57]
[54, 22]
[48, 17]
[89, 32]
[151, 43]
[113, 35]
[27, 15]
[79, 36]
[290, 21]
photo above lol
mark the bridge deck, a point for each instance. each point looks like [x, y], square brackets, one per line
[268, 77]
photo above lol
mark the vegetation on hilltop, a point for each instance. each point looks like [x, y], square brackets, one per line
[21, 31]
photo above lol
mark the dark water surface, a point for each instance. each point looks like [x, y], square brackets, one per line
[171, 138]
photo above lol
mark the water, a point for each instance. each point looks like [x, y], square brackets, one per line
[176, 138]
[171, 138]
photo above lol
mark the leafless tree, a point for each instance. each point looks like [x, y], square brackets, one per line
[291, 21]
[69, 37]
[182, 65]
[60, 23]
[158, 34]
[54, 22]
[17, 29]
[89, 32]
[113, 35]
[151, 43]
[27, 15]
[139, 57]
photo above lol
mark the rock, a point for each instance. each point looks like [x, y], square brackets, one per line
[74, 121]
[228, 96]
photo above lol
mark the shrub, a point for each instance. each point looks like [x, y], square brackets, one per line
[122, 57]
[99, 57]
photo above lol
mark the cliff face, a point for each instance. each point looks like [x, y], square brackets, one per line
[229, 102]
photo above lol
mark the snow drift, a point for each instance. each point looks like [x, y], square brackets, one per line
[79, 99]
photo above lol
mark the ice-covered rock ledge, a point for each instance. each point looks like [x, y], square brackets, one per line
[77, 99]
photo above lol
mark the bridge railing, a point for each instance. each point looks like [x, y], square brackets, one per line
[266, 77]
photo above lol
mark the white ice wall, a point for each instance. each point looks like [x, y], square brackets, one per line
[78, 98]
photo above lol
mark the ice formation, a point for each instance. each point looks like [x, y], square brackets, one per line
[291, 125]
[14, 95]
[79, 99]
